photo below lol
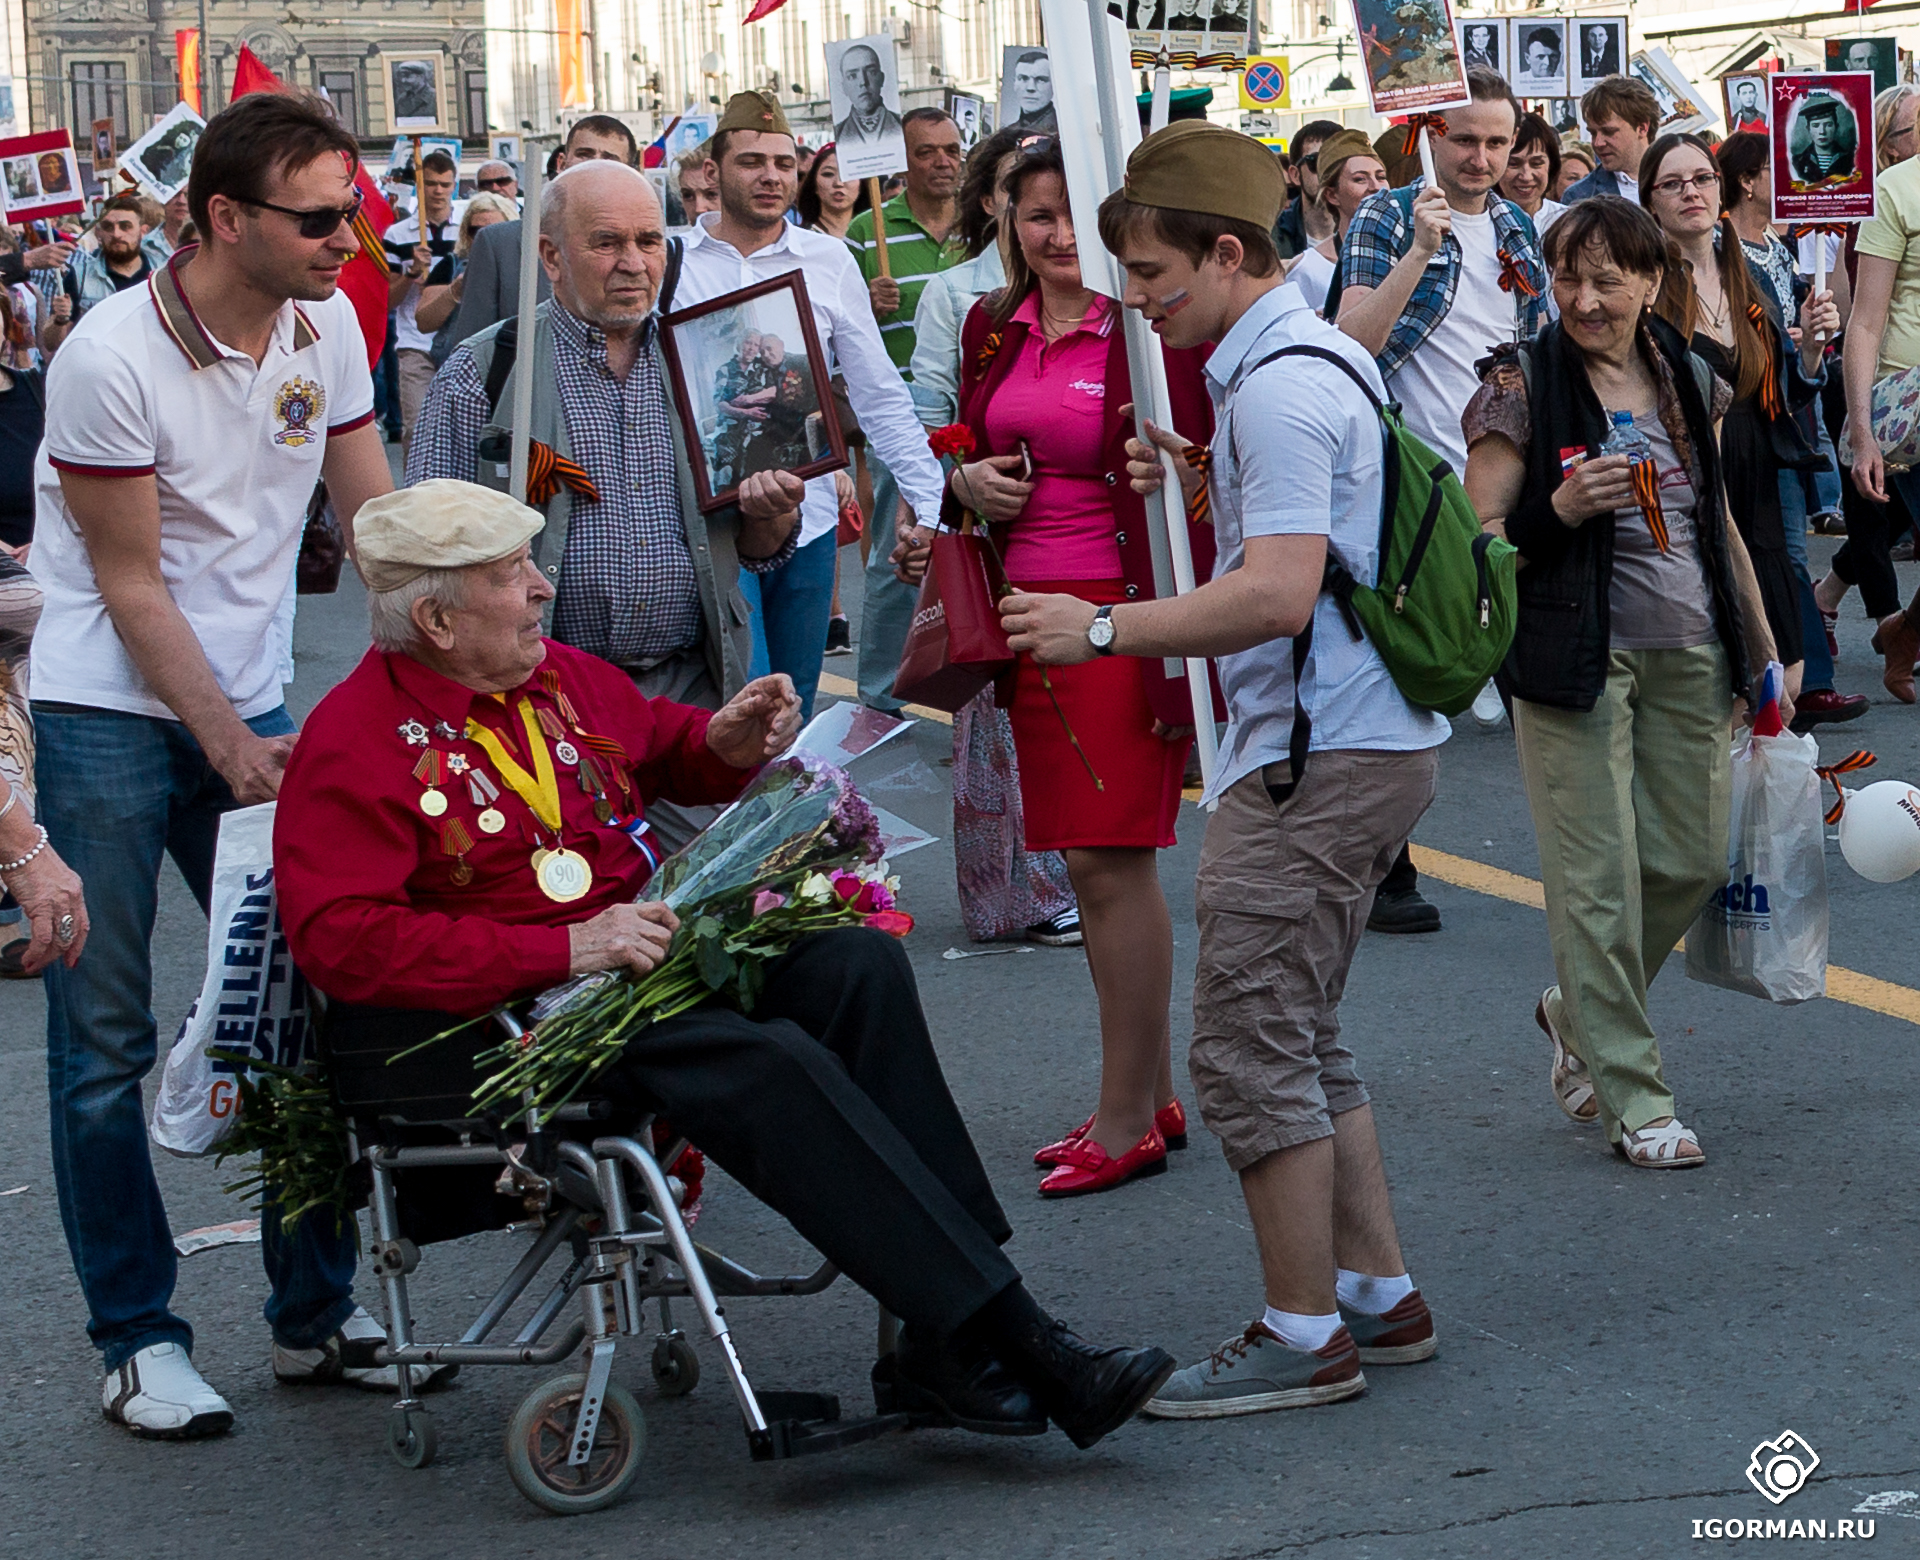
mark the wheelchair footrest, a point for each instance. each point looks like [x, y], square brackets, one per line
[800, 1423]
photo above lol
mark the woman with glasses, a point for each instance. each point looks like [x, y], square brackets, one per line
[1103, 745]
[1639, 619]
[1731, 318]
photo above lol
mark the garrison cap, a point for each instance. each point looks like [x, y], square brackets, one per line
[1193, 165]
[1338, 148]
[754, 111]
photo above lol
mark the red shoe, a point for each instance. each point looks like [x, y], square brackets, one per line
[1087, 1167]
[1171, 1123]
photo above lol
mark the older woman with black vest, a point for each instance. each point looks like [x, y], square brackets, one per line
[1640, 625]
[1043, 386]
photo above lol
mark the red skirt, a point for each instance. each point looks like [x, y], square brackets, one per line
[1105, 702]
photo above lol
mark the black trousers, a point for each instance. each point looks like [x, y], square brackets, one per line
[829, 1105]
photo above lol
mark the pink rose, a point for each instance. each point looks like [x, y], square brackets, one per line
[767, 900]
[847, 885]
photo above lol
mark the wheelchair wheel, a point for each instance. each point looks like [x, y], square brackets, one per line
[540, 1437]
[676, 1368]
[412, 1436]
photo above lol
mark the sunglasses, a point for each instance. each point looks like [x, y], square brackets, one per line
[497, 183]
[314, 224]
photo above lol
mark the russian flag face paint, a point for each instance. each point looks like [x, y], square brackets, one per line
[1173, 302]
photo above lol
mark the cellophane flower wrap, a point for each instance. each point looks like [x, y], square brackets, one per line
[799, 852]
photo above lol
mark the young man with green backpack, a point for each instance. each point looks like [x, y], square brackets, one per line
[1346, 576]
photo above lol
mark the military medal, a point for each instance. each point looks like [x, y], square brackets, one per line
[427, 772]
[458, 763]
[442, 729]
[484, 793]
[562, 875]
[456, 842]
[414, 732]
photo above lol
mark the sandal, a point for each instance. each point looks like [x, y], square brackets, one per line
[1572, 1084]
[1659, 1148]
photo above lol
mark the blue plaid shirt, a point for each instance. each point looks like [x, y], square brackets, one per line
[1382, 232]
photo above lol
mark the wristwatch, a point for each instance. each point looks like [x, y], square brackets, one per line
[1100, 631]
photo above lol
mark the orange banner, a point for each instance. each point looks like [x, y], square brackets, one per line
[186, 52]
[575, 82]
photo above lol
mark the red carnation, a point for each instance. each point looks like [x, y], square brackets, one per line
[956, 439]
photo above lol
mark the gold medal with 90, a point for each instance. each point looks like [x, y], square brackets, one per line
[562, 875]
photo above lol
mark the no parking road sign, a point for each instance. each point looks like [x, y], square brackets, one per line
[1267, 82]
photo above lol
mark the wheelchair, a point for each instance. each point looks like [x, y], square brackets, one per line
[606, 1227]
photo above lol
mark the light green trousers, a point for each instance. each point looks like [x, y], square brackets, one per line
[1629, 805]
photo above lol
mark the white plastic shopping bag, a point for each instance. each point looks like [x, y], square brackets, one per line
[1764, 932]
[253, 1002]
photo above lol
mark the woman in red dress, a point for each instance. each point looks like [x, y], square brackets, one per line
[1043, 382]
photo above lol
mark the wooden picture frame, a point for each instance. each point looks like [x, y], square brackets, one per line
[414, 81]
[724, 370]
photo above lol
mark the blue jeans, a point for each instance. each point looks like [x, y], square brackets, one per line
[791, 606]
[1817, 673]
[116, 792]
[886, 604]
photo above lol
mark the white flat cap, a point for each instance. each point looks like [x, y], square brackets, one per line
[440, 524]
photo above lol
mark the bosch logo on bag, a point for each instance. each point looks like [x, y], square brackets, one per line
[1746, 900]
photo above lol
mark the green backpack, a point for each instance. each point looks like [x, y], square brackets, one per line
[1443, 609]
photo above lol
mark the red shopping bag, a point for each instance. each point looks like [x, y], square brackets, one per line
[955, 645]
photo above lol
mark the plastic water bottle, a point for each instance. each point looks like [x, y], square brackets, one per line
[1625, 439]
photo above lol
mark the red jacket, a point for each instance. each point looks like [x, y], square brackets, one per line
[372, 901]
[982, 368]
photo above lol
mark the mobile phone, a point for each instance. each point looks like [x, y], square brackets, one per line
[1026, 462]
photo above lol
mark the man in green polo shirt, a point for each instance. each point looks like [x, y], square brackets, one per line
[918, 224]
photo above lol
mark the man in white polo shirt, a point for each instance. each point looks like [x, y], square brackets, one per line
[188, 421]
[754, 164]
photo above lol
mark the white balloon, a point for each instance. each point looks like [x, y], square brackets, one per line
[1880, 831]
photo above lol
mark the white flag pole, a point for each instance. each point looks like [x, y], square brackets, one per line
[1117, 131]
[530, 181]
[1162, 109]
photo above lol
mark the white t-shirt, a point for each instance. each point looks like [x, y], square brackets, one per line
[1435, 384]
[399, 240]
[1300, 454]
[1629, 187]
[142, 389]
[1313, 275]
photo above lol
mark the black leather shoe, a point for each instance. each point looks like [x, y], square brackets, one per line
[1088, 1392]
[1405, 911]
[955, 1386]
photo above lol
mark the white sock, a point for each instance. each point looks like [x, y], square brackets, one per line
[1306, 1333]
[1369, 1295]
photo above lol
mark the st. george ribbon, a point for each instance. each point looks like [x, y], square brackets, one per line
[1097, 132]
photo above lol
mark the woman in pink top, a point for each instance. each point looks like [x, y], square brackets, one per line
[1043, 381]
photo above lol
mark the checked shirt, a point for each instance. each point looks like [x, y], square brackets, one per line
[1381, 233]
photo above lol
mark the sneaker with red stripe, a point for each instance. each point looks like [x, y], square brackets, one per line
[1401, 1336]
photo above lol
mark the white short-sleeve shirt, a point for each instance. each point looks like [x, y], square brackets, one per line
[1299, 453]
[141, 388]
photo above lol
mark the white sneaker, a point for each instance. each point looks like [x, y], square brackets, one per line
[159, 1395]
[1487, 708]
[347, 1358]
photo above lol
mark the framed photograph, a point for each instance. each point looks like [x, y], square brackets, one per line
[752, 388]
[504, 148]
[863, 89]
[1537, 47]
[160, 160]
[1026, 91]
[39, 176]
[969, 113]
[1880, 56]
[1231, 27]
[1747, 101]
[1823, 160]
[1483, 43]
[1412, 55]
[415, 102]
[103, 149]
[1683, 106]
[690, 130]
[1599, 50]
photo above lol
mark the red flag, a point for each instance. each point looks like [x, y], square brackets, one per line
[765, 8]
[364, 280]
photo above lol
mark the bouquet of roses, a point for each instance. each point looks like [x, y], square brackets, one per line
[799, 852]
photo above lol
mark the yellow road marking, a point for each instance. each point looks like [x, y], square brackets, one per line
[1843, 985]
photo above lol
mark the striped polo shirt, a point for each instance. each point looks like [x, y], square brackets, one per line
[914, 257]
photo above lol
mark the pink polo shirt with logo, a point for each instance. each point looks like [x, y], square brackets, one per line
[1055, 398]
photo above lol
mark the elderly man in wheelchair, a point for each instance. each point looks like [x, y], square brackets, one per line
[438, 852]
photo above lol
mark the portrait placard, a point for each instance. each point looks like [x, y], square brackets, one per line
[1411, 52]
[504, 148]
[1596, 50]
[1483, 43]
[1195, 34]
[753, 388]
[1682, 105]
[1026, 91]
[1879, 56]
[969, 115]
[160, 161]
[863, 88]
[1823, 162]
[1537, 47]
[102, 149]
[1744, 93]
[40, 176]
[415, 102]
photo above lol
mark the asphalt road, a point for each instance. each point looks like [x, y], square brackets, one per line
[1614, 1342]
